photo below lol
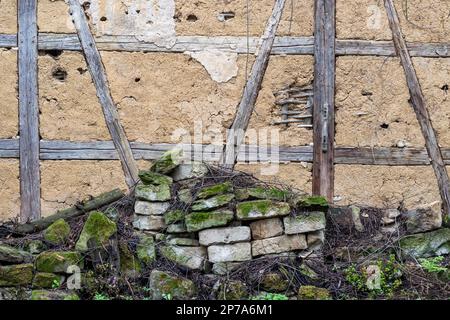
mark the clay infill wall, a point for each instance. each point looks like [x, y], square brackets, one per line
[372, 108]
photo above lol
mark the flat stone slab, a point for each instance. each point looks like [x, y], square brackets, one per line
[163, 284]
[302, 223]
[269, 193]
[153, 192]
[212, 203]
[266, 228]
[279, 244]
[214, 190]
[151, 223]
[223, 268]
[315, 239]
[428, 244]
[150, 177]
[151, 208]
[203, 220]
[190, 257]
[260, 209]
[189, 171]
[230, 252]
[188, 242]
[12, 255]
[224, 235]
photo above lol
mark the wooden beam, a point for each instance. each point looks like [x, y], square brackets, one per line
[324, 90]
[105, 150]
[238, 44]
[420, 106]
[30, 194]
[98, 73]
[237, 130]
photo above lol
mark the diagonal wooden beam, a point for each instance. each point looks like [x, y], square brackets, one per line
[420, 106]
[324, 90]
[236, 133]
[30, 194]
[98, 73]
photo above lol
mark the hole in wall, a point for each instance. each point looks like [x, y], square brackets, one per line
[53, 53]
[445, 88]
[192, 18]
[384, 126]
[103, 19]
[59, 74]
[81, 70]
[227, 15]
[137, 79]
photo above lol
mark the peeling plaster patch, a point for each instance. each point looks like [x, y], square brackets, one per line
[147, 20]
[221, 66]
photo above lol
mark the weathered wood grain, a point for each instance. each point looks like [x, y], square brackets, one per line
[105, 150]
[324, 91]
[30, 194]
[244, 111]
[281, 46]
[98, 73]
[420, 106]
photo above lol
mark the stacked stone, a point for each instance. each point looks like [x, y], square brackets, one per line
[224, 226]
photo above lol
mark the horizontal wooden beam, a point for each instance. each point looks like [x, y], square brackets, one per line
[104, 150]
[282, 45]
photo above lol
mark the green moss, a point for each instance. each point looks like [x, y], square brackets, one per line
[274, 282]
[129, 264]
[312, 202]
[233, 290]
[53, 295]
[202, 220]
[152, 192]
[58, 232]
[12, 255]
[173, 216]
[98, 228]
[145, 249]
[313, 293]
[428, 244]
[16, 275]
[261, 208]
[168, 161]
[163, 285]
[150, 177]
[35, 246]
[44, 280]
[212, 203]
[269, 193]
[58, 261]
[185, 196]
[217, 189]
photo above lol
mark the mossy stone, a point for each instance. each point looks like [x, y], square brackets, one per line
[145, 249]
[97, 229]
[213, 202]
[35, 246]
[185, 196]
[313, 293]
[189, 257]
[426, 244]
[129, 264]
[173, 216]
[168, 161]
[151, 193]
[53, 295]
[58, 261]
[151, 177]
[269, 193]
[233, 290]
[16, 275]
[163, 285]
[259, 209]
[214, 190]
[274, 282]
[45, 280]
[58, 232]
[312, 202]
[203, 220]
[10, 254]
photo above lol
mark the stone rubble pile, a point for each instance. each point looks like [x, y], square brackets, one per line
[221, 224]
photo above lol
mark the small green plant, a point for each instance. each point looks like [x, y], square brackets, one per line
[379, 279]
[433, 265]
[101, 296]
[56, 284]
[270, 296]
[167, 296]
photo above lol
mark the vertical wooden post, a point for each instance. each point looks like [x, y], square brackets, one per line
[324, 90]
[420, 106]
[30, 208]
[98, 73]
